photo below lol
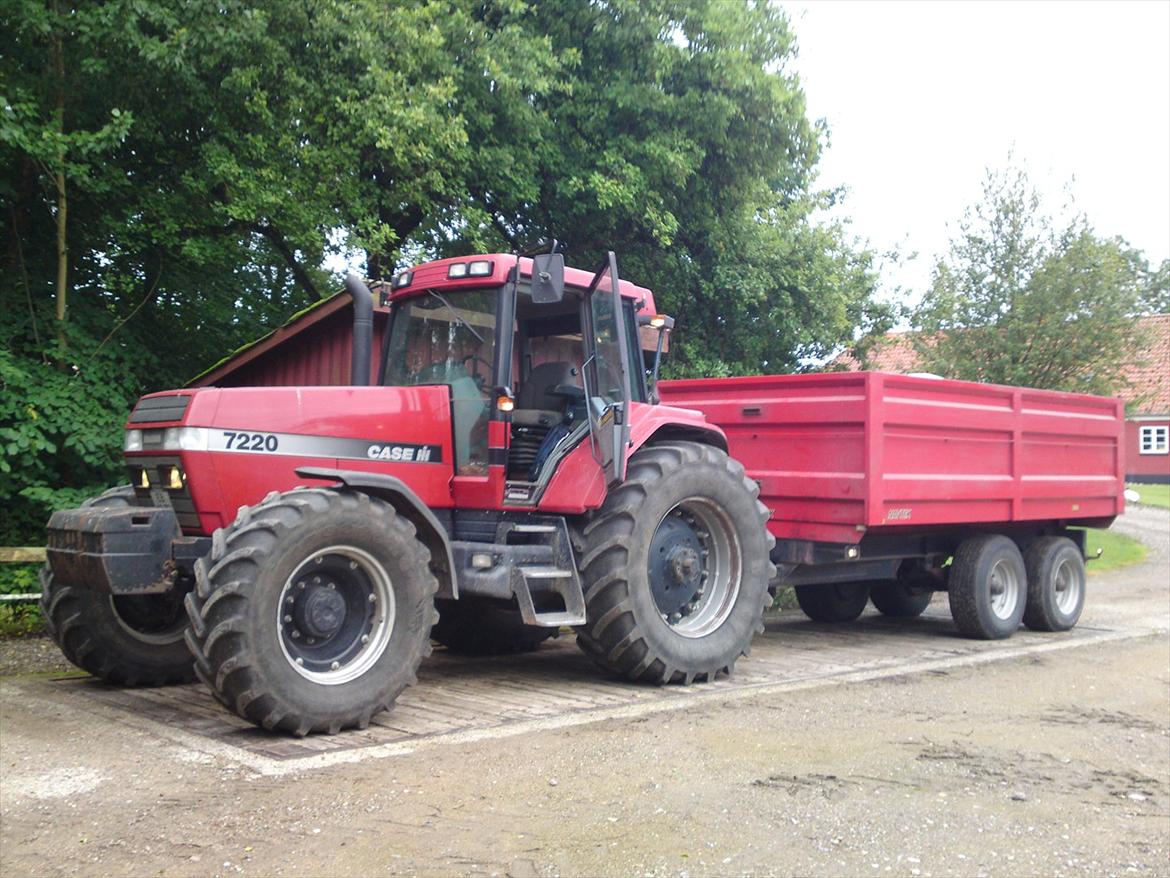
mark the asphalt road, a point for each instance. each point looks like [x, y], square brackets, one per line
[889, 750]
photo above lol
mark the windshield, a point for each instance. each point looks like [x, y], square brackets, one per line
[439, 338]
[449, 338]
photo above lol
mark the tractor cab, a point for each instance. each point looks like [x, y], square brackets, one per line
[532, 369]
[477, 496]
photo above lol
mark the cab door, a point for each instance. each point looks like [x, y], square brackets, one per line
[606, 372]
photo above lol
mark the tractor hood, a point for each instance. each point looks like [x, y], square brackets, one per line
[234, 445]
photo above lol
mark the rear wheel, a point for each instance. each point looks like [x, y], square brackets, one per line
[313, 611]
[836, 602]
[900, 598]
[479, 627]
[126, 640]
[987, 587]
[1056, 584]
[675, 567]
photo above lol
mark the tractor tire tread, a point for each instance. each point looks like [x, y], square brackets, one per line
[602, 543]
[225, 585]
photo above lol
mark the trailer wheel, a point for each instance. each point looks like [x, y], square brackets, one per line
[900, 599]
[313, 610]
[675, 567]
[131, 640]
[1056, 584]
[836, 602]
[987, 587]
[476, 627]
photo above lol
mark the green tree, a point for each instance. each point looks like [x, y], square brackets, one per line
[1023, 298]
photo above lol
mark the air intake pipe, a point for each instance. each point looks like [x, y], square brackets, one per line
[363, 330]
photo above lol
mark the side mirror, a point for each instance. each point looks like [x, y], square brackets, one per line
[664, 325]
[548, 278]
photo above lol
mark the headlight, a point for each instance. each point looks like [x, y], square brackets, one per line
[185, 439]
[133, 441]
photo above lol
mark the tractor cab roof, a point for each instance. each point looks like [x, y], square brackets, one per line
[414, 281]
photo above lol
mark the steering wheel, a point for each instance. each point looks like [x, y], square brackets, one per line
[475, 360]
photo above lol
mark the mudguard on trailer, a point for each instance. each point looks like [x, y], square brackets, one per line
[407, 504]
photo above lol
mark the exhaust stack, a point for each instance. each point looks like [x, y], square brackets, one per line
[363, 330]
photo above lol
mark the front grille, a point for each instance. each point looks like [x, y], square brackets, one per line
[178, 499]
[159, 408]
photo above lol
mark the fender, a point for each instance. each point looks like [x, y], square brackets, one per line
[665, 422]
[578, 485]
[407, 504]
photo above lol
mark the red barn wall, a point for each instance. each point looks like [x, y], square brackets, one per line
[316, 356]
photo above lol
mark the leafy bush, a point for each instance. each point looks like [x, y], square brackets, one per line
[18, 619]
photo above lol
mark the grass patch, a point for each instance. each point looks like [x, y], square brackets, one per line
[1153, 495]
[1118, 550]
[17, 620]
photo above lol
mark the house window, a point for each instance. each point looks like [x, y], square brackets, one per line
[1155, 440]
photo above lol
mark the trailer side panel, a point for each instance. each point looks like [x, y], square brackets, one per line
[838, 455]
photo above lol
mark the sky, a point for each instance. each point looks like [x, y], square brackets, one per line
[921, 98]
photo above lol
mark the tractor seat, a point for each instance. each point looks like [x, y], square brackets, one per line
[537, 403]
[539, 410]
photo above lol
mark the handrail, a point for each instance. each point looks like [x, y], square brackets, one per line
[22, 554]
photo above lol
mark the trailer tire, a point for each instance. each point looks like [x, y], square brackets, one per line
[474, 627]
[835, 602]
[987, 587]
[1056, 584]
[686, 521]
[899, 599]
[313, 610]
[130, 640]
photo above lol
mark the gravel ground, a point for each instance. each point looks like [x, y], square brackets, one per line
[34, 654]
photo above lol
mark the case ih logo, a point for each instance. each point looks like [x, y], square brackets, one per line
[405, 453]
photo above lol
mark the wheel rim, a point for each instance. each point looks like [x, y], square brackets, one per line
[154, 619]
[1004, 584]
[336, 615]
[695, 567]
[1067, 584]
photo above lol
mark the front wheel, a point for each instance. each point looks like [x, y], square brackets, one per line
[675, 567]
[125, 640]
[313, 611]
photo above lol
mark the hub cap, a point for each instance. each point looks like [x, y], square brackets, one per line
[336, 615]
[1005, 590]
[1068, 583]
[694, 567]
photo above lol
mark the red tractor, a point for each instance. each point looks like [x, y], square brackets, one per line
[510, 473]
